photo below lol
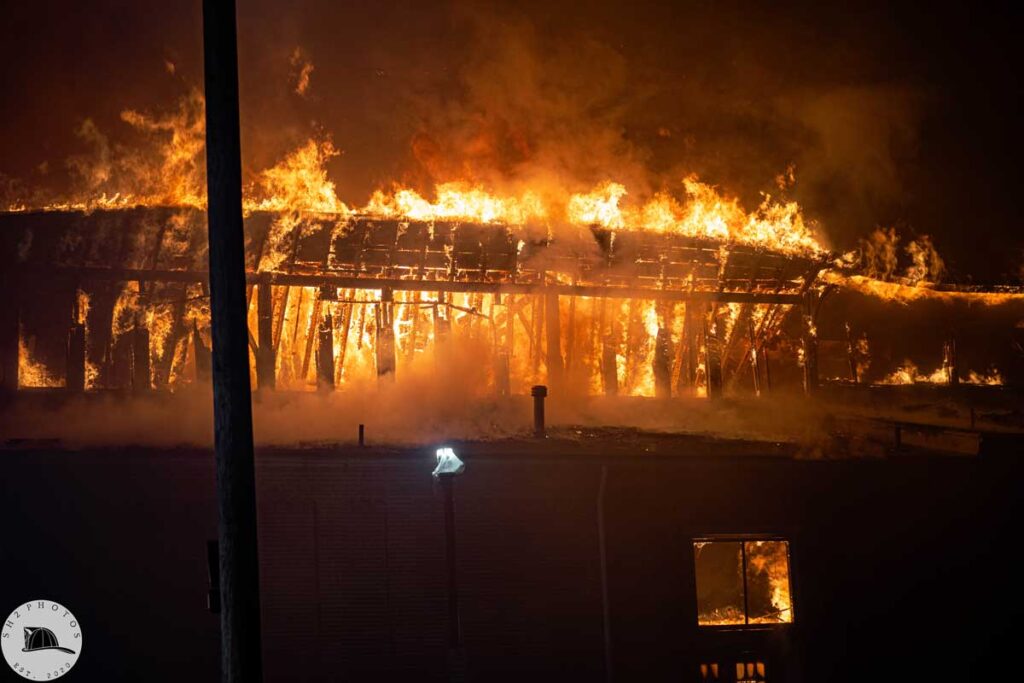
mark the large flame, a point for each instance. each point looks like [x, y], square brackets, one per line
[457, 200]
[168, 170]
[298, 183]
[705, 213]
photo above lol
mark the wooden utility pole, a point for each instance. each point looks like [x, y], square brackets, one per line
[232, 395]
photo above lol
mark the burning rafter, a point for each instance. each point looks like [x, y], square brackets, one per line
[611, 310]
[442, 256]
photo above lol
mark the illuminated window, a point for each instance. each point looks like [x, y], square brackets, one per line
[750, 672]
[742, 582]
[709, 671]
[747, 671]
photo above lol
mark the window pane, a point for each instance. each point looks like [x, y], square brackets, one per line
[768, 599]
[719, 569]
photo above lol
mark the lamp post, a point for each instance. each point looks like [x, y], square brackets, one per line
[448, 467]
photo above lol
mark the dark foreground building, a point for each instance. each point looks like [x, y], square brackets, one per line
[575, 560]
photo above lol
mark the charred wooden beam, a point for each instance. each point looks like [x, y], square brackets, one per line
[503, 359]
[265, 360]
[950, 361]
[663, 363]
[141, 376]
[609, 353]
[502, 372]
[311, 335]
[713, 353]
[442, 323]
[202, 355]
[165, 362]
[86, 273]
[851, 355]
[689, 354]
[809, 341]
[325, 354]
[553, 325]
[75, 376]
[755, 361]
[636, 335]
[386, 359]
[570, 337]
[344, 325]
[809, 346]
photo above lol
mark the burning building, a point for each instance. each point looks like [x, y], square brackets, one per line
[753, 457]
[108, 299]
[115, 302]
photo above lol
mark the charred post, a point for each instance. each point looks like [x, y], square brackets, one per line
[688, 372]
[663, 363]
[141, 378]
[553, 325]
[202, 354]
[809, 344]
[755, 360]
[609, 355]
[325, 354]
[442, 330]
[265, 358]
[76, 357]
[502, 371]
[851, 355]
[713, 354]
[75, 365]
[386, 359]
[949, 360]
[232, 396]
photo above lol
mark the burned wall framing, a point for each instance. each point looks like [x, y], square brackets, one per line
[161, 253]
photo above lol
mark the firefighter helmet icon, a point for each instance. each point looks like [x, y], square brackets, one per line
[42, 638]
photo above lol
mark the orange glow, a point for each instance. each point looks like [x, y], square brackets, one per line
[32, 373]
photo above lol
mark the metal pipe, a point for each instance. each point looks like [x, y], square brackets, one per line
[538, 392]
[232, 394]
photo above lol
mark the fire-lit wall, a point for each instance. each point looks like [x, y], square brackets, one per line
[898, 565]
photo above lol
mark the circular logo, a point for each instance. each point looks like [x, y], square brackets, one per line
[41, 640]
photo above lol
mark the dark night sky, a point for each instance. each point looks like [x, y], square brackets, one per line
[889, 113]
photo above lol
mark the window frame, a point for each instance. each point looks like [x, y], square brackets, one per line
[743, 539]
